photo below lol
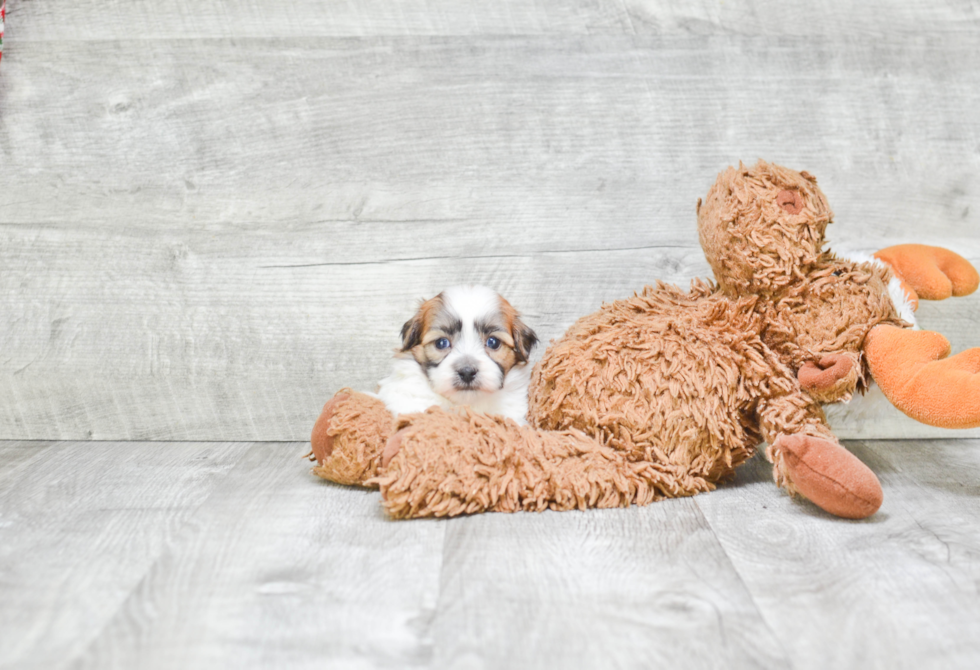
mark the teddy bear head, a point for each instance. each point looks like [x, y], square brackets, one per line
[762, 228]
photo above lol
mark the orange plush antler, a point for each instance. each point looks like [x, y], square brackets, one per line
[912, 367]
[930, 273]
[912, 370]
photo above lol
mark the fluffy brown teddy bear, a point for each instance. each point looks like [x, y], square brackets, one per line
[665, 393]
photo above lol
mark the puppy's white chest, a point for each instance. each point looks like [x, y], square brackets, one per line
[407, 390]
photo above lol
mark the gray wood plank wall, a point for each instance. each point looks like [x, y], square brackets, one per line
[215, 214]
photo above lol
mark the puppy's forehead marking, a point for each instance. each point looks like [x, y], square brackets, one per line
[489, 326]
[447, 322]
[472, 302]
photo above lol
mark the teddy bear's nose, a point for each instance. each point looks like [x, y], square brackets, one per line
[790, 201]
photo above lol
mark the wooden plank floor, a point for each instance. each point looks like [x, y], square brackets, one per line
[187, 555]
[214, 213]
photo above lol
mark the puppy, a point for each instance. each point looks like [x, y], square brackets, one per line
[466, 346]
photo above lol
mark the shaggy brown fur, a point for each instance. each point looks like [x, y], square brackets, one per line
[449, 464]
[695, 379]
[349, 437]
[665, 393]
[680, 378]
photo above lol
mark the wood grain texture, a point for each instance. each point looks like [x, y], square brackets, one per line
[17, 456]
[872, 20]
[642, 587]
[188, 341]
[88, 20]
[923, 476]
[177, 555]
[617, 133]
[204, 238]
[80, 525]
[61, 20]
[902, 584]
[282, 569]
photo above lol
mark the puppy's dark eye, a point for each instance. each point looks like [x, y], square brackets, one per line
[442, 343]
[493, 343]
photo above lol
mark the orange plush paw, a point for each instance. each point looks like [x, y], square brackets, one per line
[349, 437]
[831, 378]
[914, 373]
[932, 273]
[321, 439]
[828, 475]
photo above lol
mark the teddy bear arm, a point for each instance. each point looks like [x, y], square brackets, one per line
[790, 412]
[445, 464]
[831, 378]
[932, 273]
[349, 437]
[915, 372]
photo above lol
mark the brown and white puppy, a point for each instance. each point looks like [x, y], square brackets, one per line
[466, 346]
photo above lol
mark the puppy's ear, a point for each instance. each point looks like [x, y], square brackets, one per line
[524, 340]
[412, 332]
[414, 329]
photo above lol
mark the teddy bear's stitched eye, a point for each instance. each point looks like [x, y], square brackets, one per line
[790, 201]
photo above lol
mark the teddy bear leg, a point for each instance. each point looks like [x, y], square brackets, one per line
[808, 460]
[349, 437]
[446, 464]
[826, 474]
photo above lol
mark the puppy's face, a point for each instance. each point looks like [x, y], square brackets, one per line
[467, 339]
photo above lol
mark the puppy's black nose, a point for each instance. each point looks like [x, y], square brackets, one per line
[467, 374]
